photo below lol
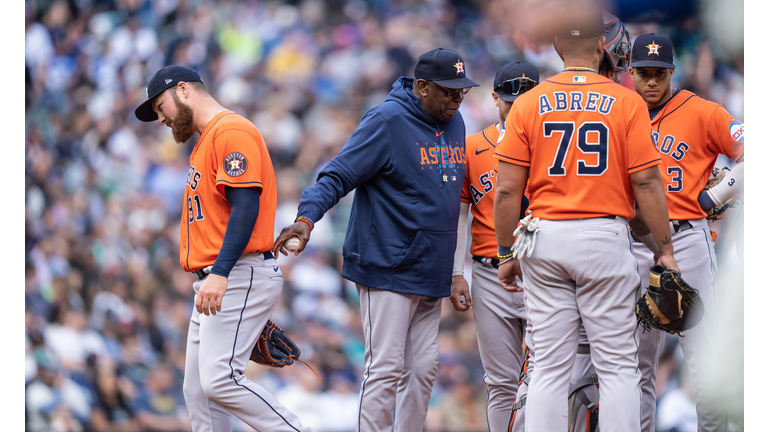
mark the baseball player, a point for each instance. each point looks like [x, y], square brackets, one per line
[499, 316]
[583, 394]
[227, 227]
[689, 133]
[406, 162]
[583, 146]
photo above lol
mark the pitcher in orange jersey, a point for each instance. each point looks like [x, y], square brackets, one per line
[583, 145]
[500, 316]
[227, 229]
[689, 133]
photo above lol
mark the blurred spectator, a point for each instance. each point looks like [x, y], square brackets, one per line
[53, 401]
[103, 192]
[159, 403]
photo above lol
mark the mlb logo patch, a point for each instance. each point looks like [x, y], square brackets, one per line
[453, 178]
[579, 79]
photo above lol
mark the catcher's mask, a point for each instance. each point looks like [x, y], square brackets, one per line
[617, 44]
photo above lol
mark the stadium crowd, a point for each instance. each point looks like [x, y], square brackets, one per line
[106, 303]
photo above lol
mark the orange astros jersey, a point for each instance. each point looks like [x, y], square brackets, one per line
[580, 134]
[229, 152]
[480, 189]
[690, 133]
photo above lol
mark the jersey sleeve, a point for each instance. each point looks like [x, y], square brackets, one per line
[512, 145]
[726, 135]
[641, 153]
[238, 159]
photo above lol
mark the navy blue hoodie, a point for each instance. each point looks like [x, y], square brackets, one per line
[408, 170]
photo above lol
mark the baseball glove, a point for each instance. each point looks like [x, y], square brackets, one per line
[669, 304]
[274, 348]
[717, 176]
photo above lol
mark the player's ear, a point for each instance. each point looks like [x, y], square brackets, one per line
[601, 45]
[182, 90]
[495, 98]
[631, 71]
[421, 86]
[558, 47]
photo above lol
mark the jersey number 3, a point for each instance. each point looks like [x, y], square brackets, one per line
[591, 138]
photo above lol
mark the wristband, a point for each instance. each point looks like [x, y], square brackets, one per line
[306, 220]
[504, 252]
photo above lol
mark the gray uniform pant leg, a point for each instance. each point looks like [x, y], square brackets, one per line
[218, 351]
[500, 319]
[651, 344]
[400, 359]
[695, 255]
[583, 272]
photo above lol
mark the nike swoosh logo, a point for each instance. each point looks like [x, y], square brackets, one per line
[477, 152]
[438, 134]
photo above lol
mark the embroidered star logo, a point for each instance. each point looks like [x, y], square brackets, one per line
[234, 164]
[459, 67]
[654, 49]
[445, 177]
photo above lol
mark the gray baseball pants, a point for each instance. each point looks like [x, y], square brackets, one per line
[695, 255]
[218, 351]
[400, 359]
[500, 319]
[583, 272]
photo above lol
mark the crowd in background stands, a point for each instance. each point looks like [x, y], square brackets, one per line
[107, 304]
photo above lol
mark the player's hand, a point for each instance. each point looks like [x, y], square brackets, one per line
[669, 262]
[299, 229]
[507, 273]
[210, 295]
[459, 288]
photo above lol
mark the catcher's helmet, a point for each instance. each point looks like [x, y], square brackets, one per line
[617, 44]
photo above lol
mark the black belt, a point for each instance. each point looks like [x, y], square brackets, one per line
[681, 225]
[201, 274]
[488, 262]
[678, 226]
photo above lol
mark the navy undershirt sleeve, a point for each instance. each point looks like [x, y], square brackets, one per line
[245, 209]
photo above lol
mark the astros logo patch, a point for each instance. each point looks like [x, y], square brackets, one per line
[235, 164]
[459, 67]
[654, 49]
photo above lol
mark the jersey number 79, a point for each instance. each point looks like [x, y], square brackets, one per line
[591, 138]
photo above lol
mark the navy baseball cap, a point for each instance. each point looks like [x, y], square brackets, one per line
[511, 82]
[580, 21]
[164, 79]
[652, 50]
[444, 67]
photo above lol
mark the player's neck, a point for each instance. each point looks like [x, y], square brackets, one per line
[207, 110]
[580, 63]
[499, 124]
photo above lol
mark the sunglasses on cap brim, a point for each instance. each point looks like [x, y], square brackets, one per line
[515, 86]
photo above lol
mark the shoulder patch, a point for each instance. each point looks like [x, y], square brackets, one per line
[737, 131]
[235, 164]
[501, 135]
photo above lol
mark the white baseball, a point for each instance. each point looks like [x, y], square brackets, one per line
[292, 243]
